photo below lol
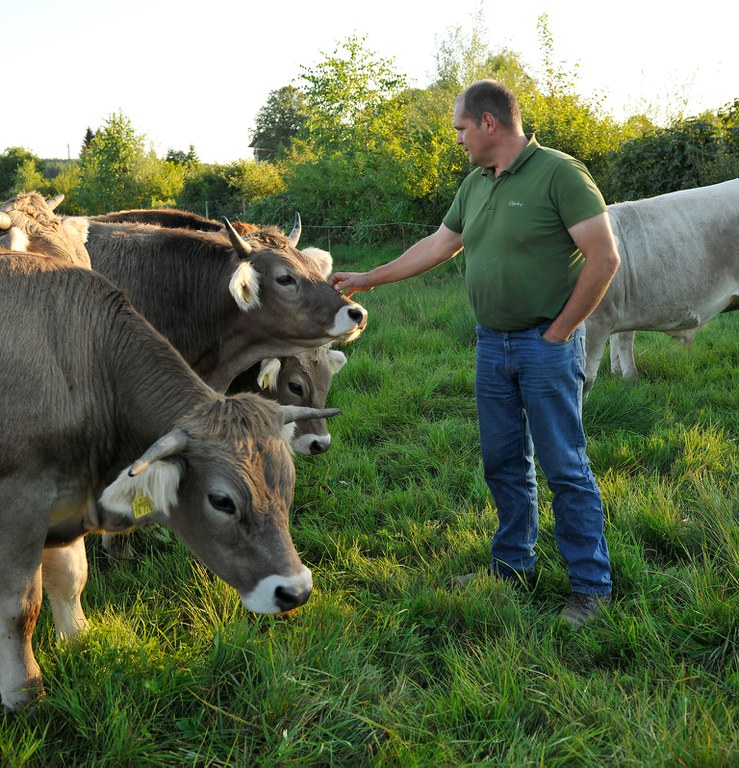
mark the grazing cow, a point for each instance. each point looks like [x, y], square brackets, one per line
[679, 269]
[105, 427]
[28, 223]
[302, 379]
[225, 303]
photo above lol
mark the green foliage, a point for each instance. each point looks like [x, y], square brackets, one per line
[341, 168]
[11, 160]
[87, 141]
[67, 183]
[670, 159]
[351, 99]
[161, 180]
[277, 122]
[462, 58]
[28, 178]
[230, 190]
[117, 172]
[563, 119]
[725, 164]
[109, 168]
[189, 158]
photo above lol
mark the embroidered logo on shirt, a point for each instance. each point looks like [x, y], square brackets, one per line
[515, 204]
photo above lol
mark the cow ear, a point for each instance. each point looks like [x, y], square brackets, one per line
[145, 496]
[77, 225]
[15, 239]
[335, 360]
[244, 287]
[323, 259]
[268, 373]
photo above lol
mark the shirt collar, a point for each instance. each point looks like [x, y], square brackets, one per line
[527, 152]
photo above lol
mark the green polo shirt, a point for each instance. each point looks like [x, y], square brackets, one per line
[521, 263]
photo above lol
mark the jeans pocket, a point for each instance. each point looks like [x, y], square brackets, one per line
[542, 329]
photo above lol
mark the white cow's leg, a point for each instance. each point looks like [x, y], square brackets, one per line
[20, 605]
[65, 576]
[596, 335]
[625, 351]
[613, 344]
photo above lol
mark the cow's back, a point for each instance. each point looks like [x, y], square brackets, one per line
[70, 348]
[174, 277]
[679, 258]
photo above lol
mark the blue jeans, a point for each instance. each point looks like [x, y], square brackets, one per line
[529, 398]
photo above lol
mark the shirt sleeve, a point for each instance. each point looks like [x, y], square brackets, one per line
[576, 193]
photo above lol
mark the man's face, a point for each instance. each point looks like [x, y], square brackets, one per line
[472, 137]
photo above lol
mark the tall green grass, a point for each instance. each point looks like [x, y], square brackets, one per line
[385, 665]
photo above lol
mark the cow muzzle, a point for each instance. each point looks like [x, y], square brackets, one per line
[276, 594]
[349, 322]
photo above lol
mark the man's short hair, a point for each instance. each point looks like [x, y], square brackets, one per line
[494, 97]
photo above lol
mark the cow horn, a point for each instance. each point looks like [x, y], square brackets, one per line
[292, 413]
[172, 443]
[5, 222]
[294, 236]
[53, 202]
[240, 245]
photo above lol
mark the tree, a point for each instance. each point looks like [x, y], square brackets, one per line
[117, 172]
[28, 178]
[277, 122]
[669, 159]
[177, 156]
[110, 166]
[350, 98]
[229, 190]
[10, 161]
[67, 183]
[563, 119]
[462, 58]
[344, 156]
[87, 141]
[725, 164]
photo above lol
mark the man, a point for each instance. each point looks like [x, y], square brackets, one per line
[539, 255]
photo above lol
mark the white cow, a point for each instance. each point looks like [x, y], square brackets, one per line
[679, 269]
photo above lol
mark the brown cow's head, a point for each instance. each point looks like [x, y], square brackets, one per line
[223, 481]
[303, 379]
[33, 227]
[298, 307]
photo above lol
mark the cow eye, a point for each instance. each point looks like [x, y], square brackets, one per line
[222, 503]
[286, 280]
[296, 388]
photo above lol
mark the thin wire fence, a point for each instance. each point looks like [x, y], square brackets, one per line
[326, 235]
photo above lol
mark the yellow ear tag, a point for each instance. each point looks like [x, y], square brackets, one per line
[142, 505]
[265, 381]
[245, 295]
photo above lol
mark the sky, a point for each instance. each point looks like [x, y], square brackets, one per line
[197, 73]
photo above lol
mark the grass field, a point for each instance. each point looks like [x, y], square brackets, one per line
[385, 665]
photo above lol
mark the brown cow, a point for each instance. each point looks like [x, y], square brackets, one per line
[103, 427]
[302, 379]
[225, 303]
[28, 223]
